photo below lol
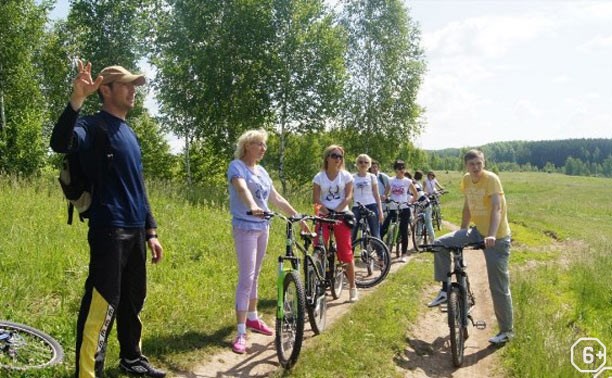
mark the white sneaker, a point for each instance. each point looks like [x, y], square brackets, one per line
[404, 258]
[501, 338]
[441, 298]
[354, 295]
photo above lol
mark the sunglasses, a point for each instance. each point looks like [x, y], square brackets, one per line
[400, 168]
[336, 156]
[362, 162]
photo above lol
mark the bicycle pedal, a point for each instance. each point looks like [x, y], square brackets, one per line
[480, 324]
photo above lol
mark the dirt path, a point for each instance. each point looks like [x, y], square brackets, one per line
[426, 356]
[428, 352]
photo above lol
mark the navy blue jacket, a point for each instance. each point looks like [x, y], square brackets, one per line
[119, 197]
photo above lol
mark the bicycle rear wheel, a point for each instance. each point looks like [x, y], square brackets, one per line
[456, 312]
[290, 324]
[392, 239]
[372, 261]
[316, 302]
[23, 347]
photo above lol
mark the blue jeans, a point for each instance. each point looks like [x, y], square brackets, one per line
[372, 221]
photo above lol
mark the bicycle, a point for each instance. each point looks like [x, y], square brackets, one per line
[372, 260]
[392, 237]
[420, 235]
[461, 299]
[335, 270]
[23, 347]
[436, 212]
[294, 298]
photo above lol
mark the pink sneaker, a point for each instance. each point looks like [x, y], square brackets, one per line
[239, 344]
[259, 326]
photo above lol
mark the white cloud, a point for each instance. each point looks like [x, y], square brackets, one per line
[486, 36]
[597, 43]
[514, 71]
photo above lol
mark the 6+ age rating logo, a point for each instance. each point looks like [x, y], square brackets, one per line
[589, 356]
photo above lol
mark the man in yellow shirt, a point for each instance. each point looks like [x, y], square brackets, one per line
[485, 207]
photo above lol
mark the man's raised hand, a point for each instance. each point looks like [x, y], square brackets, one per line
[83, 85]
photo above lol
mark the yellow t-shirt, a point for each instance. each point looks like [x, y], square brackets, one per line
[478, 197]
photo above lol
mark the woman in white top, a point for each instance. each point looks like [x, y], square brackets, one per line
[402, 191]
[365, 191]
[332, 192]
[431, 183]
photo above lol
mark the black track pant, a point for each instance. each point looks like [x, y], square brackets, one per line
[115, 288]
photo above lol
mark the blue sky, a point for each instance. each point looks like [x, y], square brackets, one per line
[515, 70]
[510, 70]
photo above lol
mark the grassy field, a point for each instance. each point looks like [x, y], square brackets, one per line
[560, 262]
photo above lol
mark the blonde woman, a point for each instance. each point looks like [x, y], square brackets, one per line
[250, 189]
[365, 191]
[332, 192]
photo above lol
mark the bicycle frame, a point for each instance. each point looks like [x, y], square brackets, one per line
[394, 225]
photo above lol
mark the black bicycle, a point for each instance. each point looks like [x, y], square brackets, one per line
[420, 235]
[23, 347]
[294, 298]
[372, 259]
[461, 299]
[392, 237]
[335, 269]
[436, 212]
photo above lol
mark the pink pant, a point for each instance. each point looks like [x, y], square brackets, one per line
[250, 250]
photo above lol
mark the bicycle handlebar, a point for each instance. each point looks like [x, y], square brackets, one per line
[295, 218]
[434, 248]
[363, 208]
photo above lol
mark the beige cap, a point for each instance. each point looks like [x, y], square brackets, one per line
[120, 74]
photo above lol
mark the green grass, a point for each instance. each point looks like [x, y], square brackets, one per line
[560, 262]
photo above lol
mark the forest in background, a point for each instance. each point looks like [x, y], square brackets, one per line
[575, 157]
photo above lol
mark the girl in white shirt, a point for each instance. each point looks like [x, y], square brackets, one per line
[402, 191]
[365, 191]
[332, 191]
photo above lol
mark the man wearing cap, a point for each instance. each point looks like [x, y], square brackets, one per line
[120, 221]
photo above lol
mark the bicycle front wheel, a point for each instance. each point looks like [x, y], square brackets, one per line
[316, 301]
[337, 284]
[23, 347]
[290, 324]
[420, 235]
[456, 312]
[372, 261]
[437, 217]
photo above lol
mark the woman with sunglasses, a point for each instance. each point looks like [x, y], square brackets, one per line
[332, 192]
[365, 191]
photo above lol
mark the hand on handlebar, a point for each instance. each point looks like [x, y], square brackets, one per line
[257, 212]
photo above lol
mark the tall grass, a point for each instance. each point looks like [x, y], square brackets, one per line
[560, 293]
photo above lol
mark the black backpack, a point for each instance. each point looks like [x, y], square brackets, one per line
[76, 184]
